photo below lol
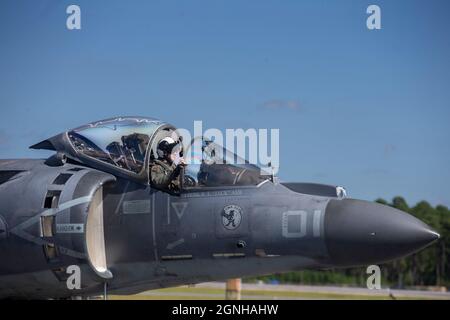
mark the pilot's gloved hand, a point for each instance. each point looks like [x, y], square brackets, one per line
[177, 160]
[177, 171]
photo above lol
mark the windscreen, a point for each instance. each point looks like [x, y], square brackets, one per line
[213, 165]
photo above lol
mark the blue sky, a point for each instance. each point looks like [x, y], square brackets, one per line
[368, 110]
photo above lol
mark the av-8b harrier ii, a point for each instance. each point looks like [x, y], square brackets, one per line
[93, 205]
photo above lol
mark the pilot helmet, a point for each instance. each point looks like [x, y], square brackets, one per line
[165, 146]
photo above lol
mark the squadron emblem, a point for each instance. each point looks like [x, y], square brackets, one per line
[231, 217]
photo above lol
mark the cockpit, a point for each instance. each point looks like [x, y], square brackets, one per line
[127, 147]
[213, 165]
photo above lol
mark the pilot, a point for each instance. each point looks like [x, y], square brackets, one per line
[166, 169]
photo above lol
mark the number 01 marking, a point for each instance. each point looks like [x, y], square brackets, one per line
[299, 230]
[285, 224]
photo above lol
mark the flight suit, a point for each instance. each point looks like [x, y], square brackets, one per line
[164, 175]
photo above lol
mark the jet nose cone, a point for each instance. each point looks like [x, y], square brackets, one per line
[360, 232]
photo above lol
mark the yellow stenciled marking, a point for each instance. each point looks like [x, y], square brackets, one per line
[179, 257]
[228, 255]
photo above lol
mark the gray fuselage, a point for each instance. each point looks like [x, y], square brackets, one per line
[151, 239]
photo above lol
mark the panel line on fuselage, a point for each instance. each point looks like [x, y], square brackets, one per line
[155, 249]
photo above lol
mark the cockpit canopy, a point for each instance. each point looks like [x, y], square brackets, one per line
[213, 165]
[118, 145]
[121, 142]
[127, 147]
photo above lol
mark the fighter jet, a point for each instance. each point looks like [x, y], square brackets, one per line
[92, 206]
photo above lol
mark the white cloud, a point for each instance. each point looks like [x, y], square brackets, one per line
[389, 149]
[278, 104]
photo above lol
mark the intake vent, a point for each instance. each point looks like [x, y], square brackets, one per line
[52, 199]
[62, 178]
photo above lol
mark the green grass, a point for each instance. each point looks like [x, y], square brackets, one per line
[194, 293]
